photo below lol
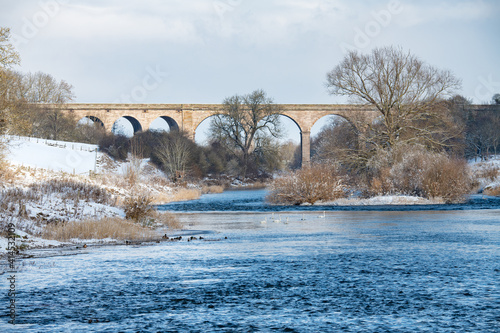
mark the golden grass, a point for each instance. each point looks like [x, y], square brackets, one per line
[166, 219]
[7, 175]
[212, 189]
[110, 227]
[493, 191]
[184, 194]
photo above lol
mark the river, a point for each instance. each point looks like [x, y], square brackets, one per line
[320, 269]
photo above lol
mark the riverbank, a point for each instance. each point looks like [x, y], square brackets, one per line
[38, 192]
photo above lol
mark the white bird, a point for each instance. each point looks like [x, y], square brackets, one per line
[303, 218]
[264, 221]
[277, 220]
[286, 222]
[322, 216]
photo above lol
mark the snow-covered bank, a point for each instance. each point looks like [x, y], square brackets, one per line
[48, 182]
[487, 175]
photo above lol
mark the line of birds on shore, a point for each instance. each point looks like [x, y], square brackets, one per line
[280, 220]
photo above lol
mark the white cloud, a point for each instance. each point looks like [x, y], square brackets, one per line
[443, 11]
[239, 45]
[132, 23]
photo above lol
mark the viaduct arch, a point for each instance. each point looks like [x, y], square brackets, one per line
[187, 117]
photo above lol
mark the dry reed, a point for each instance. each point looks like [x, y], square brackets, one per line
[110, 227]
[183, 194]
[212, 189]
[492, 190]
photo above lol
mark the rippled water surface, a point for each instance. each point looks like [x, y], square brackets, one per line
[350, 271]
[254, 200]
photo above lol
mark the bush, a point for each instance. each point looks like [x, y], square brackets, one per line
[407, 173]
[138, 207]
[430, 175]
[308, 185]
[140, 210]
[116, 146]
[446, 178]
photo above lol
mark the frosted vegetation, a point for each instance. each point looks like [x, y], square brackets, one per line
[113, 203]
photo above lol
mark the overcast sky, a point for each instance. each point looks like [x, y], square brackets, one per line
[200, 51]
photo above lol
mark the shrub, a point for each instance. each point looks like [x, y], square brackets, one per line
[116, 146]
[431, 175]
[407, 173]
[138, 207]
[381, 184]
[447, 178]
[309, 185]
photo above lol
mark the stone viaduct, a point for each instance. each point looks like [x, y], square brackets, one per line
[187, 117]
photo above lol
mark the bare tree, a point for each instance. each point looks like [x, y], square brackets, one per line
[400, 86]
[32, 117]
[42, 88]
[245, 120]
[8, 55]
[8, 58]
[174, 153]
[335, 143]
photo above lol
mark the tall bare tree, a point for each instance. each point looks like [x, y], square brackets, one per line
[174, 152]
[401, 87]
[244, 121]
[335, 143]
[8, 58]
[32, 117]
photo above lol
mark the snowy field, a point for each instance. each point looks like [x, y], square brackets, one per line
[69, 157]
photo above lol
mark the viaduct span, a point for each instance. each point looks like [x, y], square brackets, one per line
[187, 117]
